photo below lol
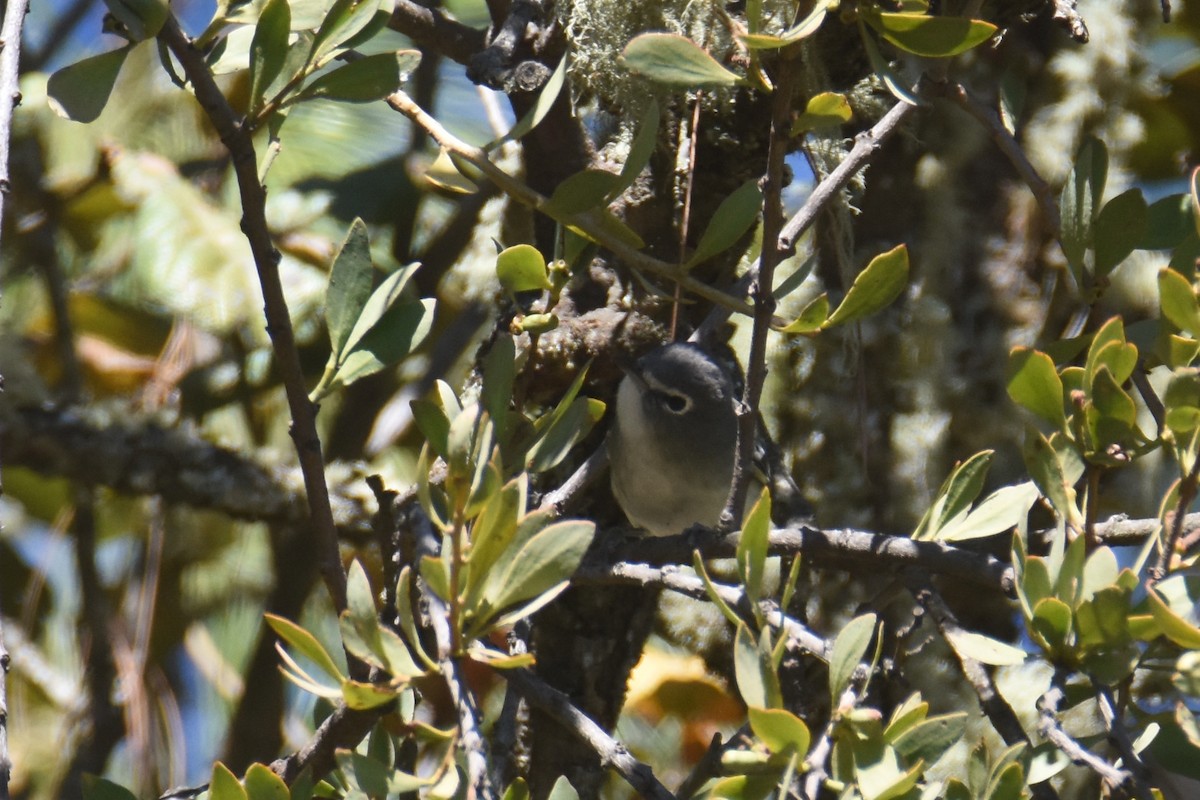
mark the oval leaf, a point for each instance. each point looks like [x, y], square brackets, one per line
[79, 92]
[1033, 382]
[875, 287]
[848, 650]
[350, 280]
[674, 60]
[934, 37]
[779, 729]
[733, 218]
[1119, 228]
[365, 80]
[984, 648]
[521, 268]
[268, 49]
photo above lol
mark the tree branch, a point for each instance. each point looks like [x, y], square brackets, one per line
[1051, 729]
[588, 221]
[237, 140]
[433, 29]
[612, 753]
[10, 92]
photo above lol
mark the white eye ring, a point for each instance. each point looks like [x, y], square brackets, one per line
[675, 403]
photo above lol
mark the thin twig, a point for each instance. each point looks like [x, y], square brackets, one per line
[10, 91]
[997, 709]
[990, 120]
[762, 289]
[238, 142]
[866, 144]
[819, 753]
[588, 221]
[5, 761]
[1187, 493]
[1051, 729]
[612, 753]
[562, 498]
[1120, 737]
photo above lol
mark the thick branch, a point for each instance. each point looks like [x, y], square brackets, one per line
[847, 549]
[237, 139]
[433, 29]
[145, 459]
[343, 728]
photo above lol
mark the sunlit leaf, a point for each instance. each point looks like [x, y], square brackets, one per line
[812, 318]
[363, 80]
[268, 49]
[1033, 382]
[522, 268]
[779, 729]
[848, 650]
[306, 644]
[985, 649]
[541, 107]
[881, 282]
[143, 19]
[674, 60]
[79, 91]
[224, 785]
[263, 784]
[1178, 301]
[931, 36]
[825, 110]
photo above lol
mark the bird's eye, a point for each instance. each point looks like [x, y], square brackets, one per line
[675, 403]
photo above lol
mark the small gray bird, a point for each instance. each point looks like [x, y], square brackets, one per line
[671, 447]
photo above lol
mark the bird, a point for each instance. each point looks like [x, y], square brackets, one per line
[673, 441]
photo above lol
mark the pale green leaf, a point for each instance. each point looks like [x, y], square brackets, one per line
[676, 61]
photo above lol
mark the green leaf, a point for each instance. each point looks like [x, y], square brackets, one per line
[1000, 511]
[563, 434]
[879, 65]
[1047, 472]
[1080, 202]
[398, 332]
[362, 696]
[956, 495]
[985, 649]
[732, 219]
[929, 739]
[432, 422]
[306, 644]
[444, 174]
[1033, 383]
[1119, 227]
[756, 679]
[522, 268]
[675, 61]
[1178, 301]
[499, 371]
[143, 19]
[541, 107]
[1173, 602]
[804, 28]
[79, 91]
[875, 287]
[350, 281]
[580, 192]
[848, 650]
[263, 784]
[1051, 625]
[344, 20]
[268, 49]
[1121, 364]
[563, 790]
[812, 318]
[933, 37]
[1194, 191]
[97, 788]
[640, 150]
[825, 110]
[223, 785]
[365, 80]
[1168, 223]
[548, 559]
[780, 730]
[752, 546]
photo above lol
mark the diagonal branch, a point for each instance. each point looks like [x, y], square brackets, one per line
[433, 29]
[612, 753]
[1049, 705]
[237, 140]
